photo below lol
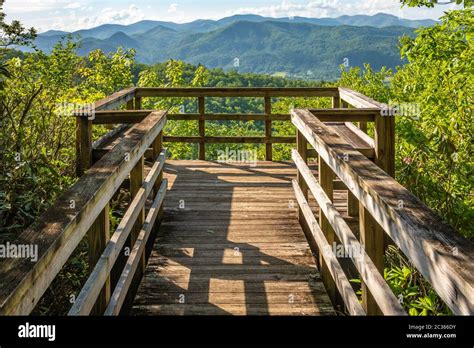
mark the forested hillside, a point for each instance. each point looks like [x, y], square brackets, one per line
[300, 47]
[434, 144]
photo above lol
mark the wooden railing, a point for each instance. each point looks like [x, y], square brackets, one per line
[108, 117]
[116, 160]
[83, 210]
[439, 253]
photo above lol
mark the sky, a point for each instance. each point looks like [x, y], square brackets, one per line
[82, 14]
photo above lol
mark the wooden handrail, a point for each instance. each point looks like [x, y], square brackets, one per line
[367, 111]
[121, 290]
[61, 228]
[334, 267]
[89, 293]
[230, 140]
[116, 99]
[194, 92]
[385, 298]
[436, 249]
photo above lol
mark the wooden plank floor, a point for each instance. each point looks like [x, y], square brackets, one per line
[230, 243]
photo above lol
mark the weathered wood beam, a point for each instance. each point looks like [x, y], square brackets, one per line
[97, 154]
[83, 145]
[120, 116]
[234, 140]
[326, 178]
[346, 115]
[202, 128]
[102, 269]
[115, 100]
[369, 272]
[343, 285]
[133, 263]
[436, 249]
[59, 230]
[268, 128]
[361, 134]
[238, 92]
[369, 153]
[99, 236]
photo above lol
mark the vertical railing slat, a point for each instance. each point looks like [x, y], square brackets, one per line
[202, 128]
[98, 237]
[372, 239]
[326, 178]
[268, 129]
[83, 144]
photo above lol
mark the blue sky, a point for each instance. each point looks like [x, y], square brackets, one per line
[80, 14]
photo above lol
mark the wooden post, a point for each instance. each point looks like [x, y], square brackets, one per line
[99, 233]
[99, 236]
[138, 103]
[202, 128]
[372, 239]
[326, 178]
[302, 148]
[336, 102]
[385, 151]
[385, 143]
[268, 129]
[372, 236]
[157, 147]
[352, 202]
[136, 182]
[83, 145]
[130, 105]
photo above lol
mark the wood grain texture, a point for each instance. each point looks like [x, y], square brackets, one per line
[59, 230]
[237, 92]
[436, 249]
[212, 257]
[369, 272]
[115, 100]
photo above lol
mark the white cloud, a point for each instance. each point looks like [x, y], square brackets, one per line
[335, 8]
[22, 6]
[88, 19]
[72, 15]
[173, 8]
[73, 5]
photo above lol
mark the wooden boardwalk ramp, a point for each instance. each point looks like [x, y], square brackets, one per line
[230, 243]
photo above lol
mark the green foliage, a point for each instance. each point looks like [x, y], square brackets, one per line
[413, 292]
[37, 148]
[437, 145]
[432, 3]
[176, 74]
[434, 144]
[13, 33]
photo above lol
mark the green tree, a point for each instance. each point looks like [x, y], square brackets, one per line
[11, 34]
[437, 144]
[37, 131]
[432, 3]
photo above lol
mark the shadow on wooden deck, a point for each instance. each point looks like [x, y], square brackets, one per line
[231, 243]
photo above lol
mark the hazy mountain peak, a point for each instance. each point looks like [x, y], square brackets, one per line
[292, 46]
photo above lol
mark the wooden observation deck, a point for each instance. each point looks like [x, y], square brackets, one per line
[259, 238]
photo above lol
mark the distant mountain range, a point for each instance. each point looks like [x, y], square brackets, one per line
[309, 47]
